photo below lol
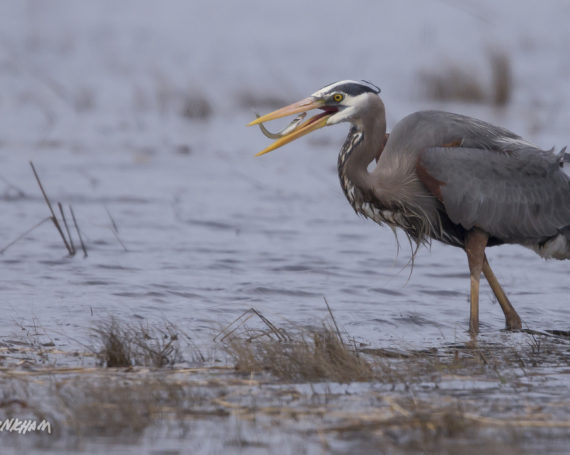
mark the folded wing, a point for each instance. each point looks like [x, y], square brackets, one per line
[519, 195]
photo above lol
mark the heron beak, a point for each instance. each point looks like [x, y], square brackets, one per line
[312, 124]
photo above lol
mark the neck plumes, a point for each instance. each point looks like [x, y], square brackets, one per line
[362, 145]
[386, 194]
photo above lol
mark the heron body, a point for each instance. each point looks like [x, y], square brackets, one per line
[443, 176]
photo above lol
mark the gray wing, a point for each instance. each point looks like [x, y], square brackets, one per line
[515, 195]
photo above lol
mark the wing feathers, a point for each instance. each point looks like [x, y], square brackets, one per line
[515, 195]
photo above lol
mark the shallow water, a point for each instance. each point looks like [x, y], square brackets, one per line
[205, 243]
[209, 230]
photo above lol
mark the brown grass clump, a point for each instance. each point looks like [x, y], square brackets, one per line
[125, 345]
[455, 82]
[313, 355]
[116, 346]
[170, 97]
[195, 106]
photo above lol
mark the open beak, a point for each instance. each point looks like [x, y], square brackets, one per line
[312, 124]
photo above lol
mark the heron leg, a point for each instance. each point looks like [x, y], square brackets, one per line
[512, 319]
[475, 244]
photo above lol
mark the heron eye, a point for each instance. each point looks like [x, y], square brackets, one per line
[338, 97]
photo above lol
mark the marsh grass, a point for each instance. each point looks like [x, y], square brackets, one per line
[313, 355]
[121, 344]
[456, 82]
[171, 97]
[424, 401]
[301, 354]
[195, 106]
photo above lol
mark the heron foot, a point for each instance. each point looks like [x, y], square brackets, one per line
[513, 321]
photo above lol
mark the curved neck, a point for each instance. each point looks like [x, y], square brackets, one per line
[364, 141]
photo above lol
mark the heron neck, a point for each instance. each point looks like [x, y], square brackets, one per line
[362, 145]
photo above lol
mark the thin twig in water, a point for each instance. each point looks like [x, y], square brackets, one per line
[115, 229]
[21, 236]
[53, 217]
[66, 228]
[79, 235]
[119, 240]
[334, 321]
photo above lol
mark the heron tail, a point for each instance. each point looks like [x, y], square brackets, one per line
[555, 247]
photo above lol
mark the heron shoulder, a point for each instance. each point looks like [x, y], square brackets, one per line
[432, 128]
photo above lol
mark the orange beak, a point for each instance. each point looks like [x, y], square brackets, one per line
[312, 124]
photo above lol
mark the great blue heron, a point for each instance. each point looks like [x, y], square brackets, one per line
[442, 176]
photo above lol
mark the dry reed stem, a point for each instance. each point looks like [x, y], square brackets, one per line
[115, 230]
[83, 248]
[68, 242]
[71, 244]
[333, 320]
[53, 217]
[21, 236]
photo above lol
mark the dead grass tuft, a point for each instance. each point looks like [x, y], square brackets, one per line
[125, 345]
[116, 346]
[456, 82]
[195, 106]
[171, 97]
[311, 355]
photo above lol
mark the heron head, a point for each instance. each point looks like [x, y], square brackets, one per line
[341, 101]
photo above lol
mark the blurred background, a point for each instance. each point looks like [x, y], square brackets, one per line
[134, 112]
